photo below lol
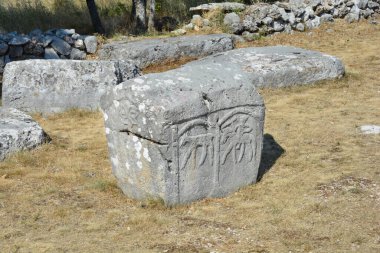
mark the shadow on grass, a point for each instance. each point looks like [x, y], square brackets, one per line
[271, 152]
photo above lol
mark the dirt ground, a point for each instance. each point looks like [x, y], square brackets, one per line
[321, 191]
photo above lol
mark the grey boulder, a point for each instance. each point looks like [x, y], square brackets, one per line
[50, 86]
[232, 22]
[155, 51]
[91, 43]
[61, 46]
[18, 131]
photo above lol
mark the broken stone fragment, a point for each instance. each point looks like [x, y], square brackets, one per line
[18, 131]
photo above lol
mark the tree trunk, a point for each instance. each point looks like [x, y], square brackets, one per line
[95, 19]
[152, 12]
[140, 15]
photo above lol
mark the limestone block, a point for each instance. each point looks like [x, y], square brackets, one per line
[155, 51]
[50, 86]
[185, 134]
[18, 131]
[197, 131]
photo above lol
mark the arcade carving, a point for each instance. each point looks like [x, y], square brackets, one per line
[231, 137]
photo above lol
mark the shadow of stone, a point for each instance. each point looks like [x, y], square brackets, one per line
[271, 152]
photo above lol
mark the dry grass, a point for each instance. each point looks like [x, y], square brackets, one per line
[322, 194]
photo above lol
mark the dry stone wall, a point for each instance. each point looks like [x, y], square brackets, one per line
[52, 44]
[299, 15]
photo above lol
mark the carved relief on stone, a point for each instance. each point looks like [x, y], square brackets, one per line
[226, 138]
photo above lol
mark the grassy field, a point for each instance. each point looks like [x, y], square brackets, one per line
[321, 195]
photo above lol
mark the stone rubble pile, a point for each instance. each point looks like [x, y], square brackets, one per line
[300, 15]
[52, 44]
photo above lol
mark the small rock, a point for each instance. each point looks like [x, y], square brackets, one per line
[373, 5]
[19, 41]
[50, 54]
[75, 36]
[197, 20]
[327, 18]
[189, 27]
[313, 23]
[278, 27]
[61, 46]
[91, 43]
[61, 33]
[370, 129]
[362, 4]
[179, 32]
[77, 54]
[46, 40]
[232, 22]
[15, 51]
[267, 21]
[300, 27]
[3, 48]
[249, 24]
[34, 48]
[206, 22]
[351, 17]
[69, 40]
[79, 44]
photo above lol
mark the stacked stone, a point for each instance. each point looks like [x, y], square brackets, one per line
[263, 19]
[52, 44]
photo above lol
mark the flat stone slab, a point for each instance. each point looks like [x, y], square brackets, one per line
[51, 86]
[370, 129]
[227, 6]
[155, 51]
[277, 66]
[18, 131]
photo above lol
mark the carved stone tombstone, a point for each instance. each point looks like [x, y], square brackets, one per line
[185, 135]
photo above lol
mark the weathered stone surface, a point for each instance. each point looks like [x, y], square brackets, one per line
[3, 48]
[200, 137]
[15, 51]
[370, 129]
[154, 51]
[61, 46]
[91, 43]
[18, 131]
[50, 86]
[232, 22]
[227, 6]
[50, 54]
[77, 54]
[19, 41]
[196, 131]
[34, 48]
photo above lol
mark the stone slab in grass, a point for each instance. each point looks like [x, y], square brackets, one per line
[18, 131]
[50, 86]
[156, 51]
[276, 66]
[197, 131]
[185, 134]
